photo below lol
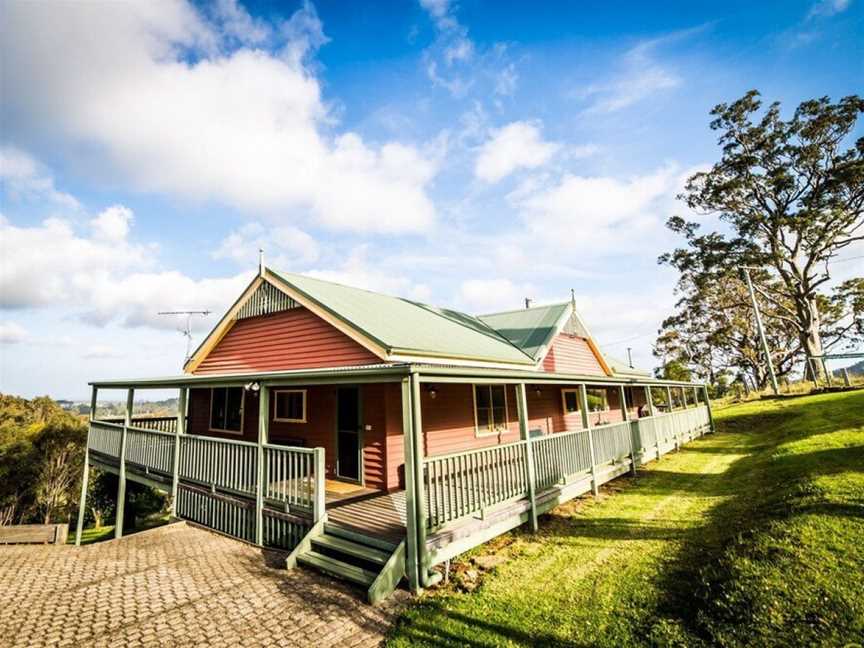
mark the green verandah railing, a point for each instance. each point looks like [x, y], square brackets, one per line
[466, 483]
[215, 482]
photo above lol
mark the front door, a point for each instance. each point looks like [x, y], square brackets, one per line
[348, 445]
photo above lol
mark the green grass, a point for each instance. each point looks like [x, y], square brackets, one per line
[91, 535]
[750, 537]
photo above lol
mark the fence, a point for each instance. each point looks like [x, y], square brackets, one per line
[466, 483]
[218, 479]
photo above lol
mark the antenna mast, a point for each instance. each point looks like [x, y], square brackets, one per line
[187, 330]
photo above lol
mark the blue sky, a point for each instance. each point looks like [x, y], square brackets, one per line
[469, 154]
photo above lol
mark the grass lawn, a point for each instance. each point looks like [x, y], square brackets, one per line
[92, 534]
[750, 537]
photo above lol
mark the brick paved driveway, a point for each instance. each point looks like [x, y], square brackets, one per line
[176, 585]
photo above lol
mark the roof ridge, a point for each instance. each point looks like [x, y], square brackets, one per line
[488, 330]
[520, 310]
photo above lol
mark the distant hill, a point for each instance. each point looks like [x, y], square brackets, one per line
[856, 369]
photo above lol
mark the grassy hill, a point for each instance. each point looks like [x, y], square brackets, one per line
[750, 537]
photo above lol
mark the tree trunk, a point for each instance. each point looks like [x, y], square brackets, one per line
[811, 341]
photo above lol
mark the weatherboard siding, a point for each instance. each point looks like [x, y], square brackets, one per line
[572, 354]
[292, 339]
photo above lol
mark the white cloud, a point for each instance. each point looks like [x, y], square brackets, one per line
[100, 277]
[166, 98]
[517, 145]
[284, 246]
[359, 271]
[641, 76]
[100, 351]
[828, 8]
[12, 333]
[113, 224]
[492, 295]
[23, 176]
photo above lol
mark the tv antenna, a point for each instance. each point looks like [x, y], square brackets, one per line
[187, 330]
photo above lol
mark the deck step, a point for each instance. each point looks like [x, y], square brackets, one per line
[337, 568]
[358, 537]
[343, 546]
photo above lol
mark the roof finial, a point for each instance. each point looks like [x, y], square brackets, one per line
[261, 261]
[573, 299]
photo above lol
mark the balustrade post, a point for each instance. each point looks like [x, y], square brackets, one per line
[179, 429]
[586, 423]
[626, 414]
[121, 487]
[319, 501]
[525, 433]
[263, 431]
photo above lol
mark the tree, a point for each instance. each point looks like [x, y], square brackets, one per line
[792, 198]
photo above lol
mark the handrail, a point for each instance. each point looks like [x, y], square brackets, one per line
[300, 449]
[473, 451]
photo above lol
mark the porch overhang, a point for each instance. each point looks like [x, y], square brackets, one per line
[385, 373]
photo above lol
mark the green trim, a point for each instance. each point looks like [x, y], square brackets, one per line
[388, 578]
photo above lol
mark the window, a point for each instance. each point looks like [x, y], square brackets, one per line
[570, 398]
[490, 408]
[597, 400]
[290, 406]
[226, 409]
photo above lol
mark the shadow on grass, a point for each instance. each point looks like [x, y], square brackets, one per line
[767, 487]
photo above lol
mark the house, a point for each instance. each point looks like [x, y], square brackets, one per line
[374, 437]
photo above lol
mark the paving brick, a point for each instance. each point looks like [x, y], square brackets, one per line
[175, 585]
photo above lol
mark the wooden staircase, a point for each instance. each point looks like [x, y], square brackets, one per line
[373, 563]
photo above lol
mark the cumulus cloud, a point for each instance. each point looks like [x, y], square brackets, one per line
[516, 145]
[23, 177]
[493, 295]
[98, 274]
[284, 246]
[187, 104]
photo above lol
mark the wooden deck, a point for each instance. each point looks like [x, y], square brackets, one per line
[382, 516]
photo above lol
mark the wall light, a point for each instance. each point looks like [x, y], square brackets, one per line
[433, 392]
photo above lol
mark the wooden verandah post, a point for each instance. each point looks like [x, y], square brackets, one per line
[85, 478]
[121, 486]
[525, 434]
[672, 420]
[586, 424]
[652, 412]
[179, 430]
[263, 432]
[623, 396]
[411, 559]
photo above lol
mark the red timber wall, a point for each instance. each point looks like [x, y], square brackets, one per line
[448, 422]
[319, 429]
[292, 339]
[572, 354]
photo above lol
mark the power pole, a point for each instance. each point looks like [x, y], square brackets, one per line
[187, 330]
[761, 331]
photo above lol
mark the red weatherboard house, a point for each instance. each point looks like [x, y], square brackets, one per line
[374, 437]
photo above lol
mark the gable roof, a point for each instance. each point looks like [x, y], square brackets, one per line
[402, 330]
[530, 329]
[405, 327]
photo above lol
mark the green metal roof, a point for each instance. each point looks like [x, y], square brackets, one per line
[530, 329]
[621, 368]
[404, 326]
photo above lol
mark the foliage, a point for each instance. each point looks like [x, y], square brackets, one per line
[41, 449]
[750, 537]
[792, 198]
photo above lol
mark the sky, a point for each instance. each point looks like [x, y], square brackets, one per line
[467, 154]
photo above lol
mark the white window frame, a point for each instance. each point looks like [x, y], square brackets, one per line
[564, 393]
[491, 431]
[239, 432]
[276, 393]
